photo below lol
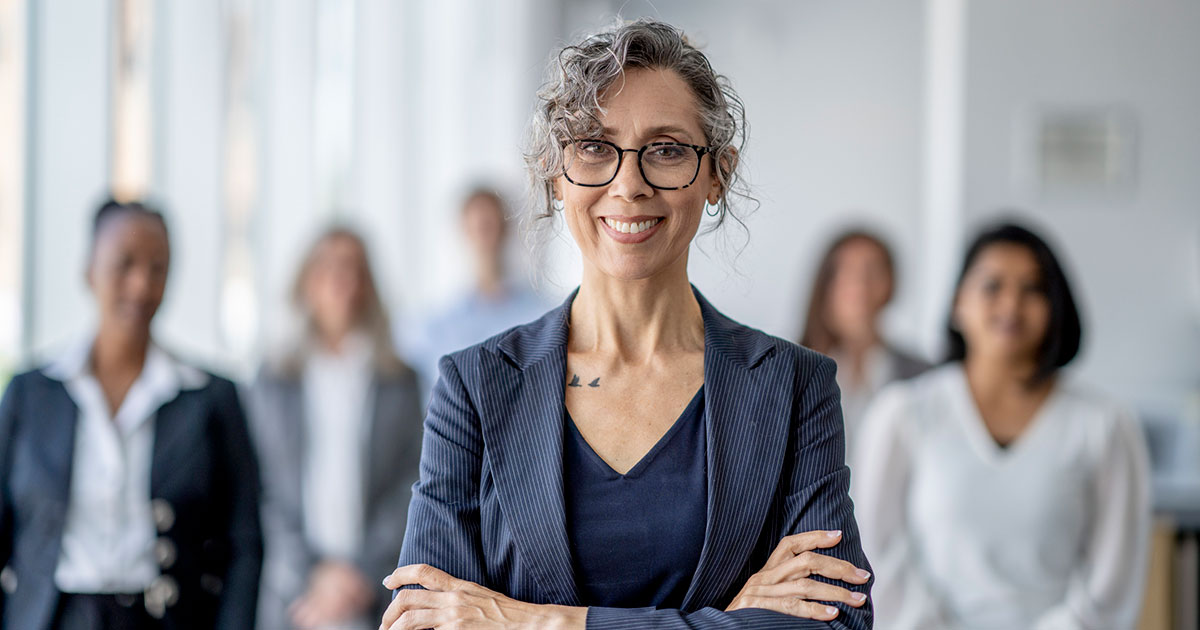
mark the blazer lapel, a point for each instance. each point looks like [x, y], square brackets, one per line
[521, 414]
[747, 404]
[175, 439]
[54, 438]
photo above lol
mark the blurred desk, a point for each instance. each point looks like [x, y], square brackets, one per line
[1173, 586]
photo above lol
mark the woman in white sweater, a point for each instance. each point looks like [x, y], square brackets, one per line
[990, 493]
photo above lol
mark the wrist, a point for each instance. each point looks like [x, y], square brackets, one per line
[562, 617]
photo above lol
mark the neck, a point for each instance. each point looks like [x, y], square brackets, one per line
[119, 351]
[333, 339]
[636, 319]
[489, 275]
[857, 345]
[987, 375]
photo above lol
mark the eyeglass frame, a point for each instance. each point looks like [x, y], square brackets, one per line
[701, 151]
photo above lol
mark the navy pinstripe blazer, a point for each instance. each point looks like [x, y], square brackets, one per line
[489, 503]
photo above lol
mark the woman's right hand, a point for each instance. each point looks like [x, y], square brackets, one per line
[784, 584]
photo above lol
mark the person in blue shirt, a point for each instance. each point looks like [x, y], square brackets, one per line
[495, 302]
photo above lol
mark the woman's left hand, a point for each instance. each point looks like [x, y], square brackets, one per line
[450, 602]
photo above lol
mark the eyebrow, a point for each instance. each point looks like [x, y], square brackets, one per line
[660, 130]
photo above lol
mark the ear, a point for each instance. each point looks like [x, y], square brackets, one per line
[728, 163]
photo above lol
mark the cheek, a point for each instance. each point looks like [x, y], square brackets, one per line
[1038, 313]
[971, 311]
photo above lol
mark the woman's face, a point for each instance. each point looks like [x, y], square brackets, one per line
[335, 285]
[860, 287]
[649, 105]
[128, 272]
[1002, 310]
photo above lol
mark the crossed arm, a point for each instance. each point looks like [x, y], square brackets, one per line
[443, 551]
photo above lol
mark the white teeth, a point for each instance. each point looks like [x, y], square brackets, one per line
[631, 228]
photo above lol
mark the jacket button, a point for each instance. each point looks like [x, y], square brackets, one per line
[164, 552]
[211, 584]
[8, 580]
[164, 514]
[162, 593]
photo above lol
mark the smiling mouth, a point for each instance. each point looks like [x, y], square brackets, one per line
[631, 227]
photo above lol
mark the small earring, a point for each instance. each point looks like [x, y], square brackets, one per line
[712, 210]
[557, 204]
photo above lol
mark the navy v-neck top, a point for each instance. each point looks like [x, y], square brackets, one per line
[636, 538]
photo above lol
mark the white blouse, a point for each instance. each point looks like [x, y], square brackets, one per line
[109, 534]
[337, 393]
[1050, 533]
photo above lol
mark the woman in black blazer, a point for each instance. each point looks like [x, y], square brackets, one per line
[634, 458]
[129, 486]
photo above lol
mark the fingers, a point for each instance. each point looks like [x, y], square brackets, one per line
[412, 600]
[417, 620]
[422, 575]
[788, 606]
[810, 590]
[810, 563]
[796, 544]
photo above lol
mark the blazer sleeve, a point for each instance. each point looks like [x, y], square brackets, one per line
[816, 498]
[883, 463]
[239, 595]
[384, 533]
[287, 556]
[8, 417]
[443, 527]
[1110, 580]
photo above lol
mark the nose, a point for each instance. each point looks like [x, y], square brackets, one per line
[139, 282]
[629, 184]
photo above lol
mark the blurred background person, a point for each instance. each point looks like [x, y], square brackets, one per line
[337, 421]
[130, 492]
[496, 300]
[855, 281]
[990, 493]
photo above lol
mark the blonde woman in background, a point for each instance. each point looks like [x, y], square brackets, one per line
[854, 283]
[337, 422]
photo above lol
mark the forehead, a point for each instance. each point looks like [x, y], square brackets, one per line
[646, 101]
[860, 249]
[1007, 259]
[132, 230]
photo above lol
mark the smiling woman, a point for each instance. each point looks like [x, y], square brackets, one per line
[694, 479]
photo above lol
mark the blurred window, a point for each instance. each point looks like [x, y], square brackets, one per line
[13, 26]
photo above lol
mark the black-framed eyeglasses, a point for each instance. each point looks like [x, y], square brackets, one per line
[664, 165]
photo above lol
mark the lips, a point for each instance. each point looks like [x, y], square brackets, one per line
[629, 230]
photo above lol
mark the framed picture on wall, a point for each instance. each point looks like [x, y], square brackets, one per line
[1078, 151]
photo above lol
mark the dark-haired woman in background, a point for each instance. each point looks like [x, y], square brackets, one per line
[854, 283]
[990, 493]
[337, 419]
[130, 490]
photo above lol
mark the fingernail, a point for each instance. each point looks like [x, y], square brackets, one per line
[834, 534]
[863, 574]
[385, 581]
[830, 610]
[858, 597]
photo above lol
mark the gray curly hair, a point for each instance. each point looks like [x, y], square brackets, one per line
[569, 101]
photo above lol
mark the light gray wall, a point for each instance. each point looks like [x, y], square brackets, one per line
[1133, 257]
[833, 93]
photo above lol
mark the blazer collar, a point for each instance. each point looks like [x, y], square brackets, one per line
[167, 373]
[746, 417]
[526, 345]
